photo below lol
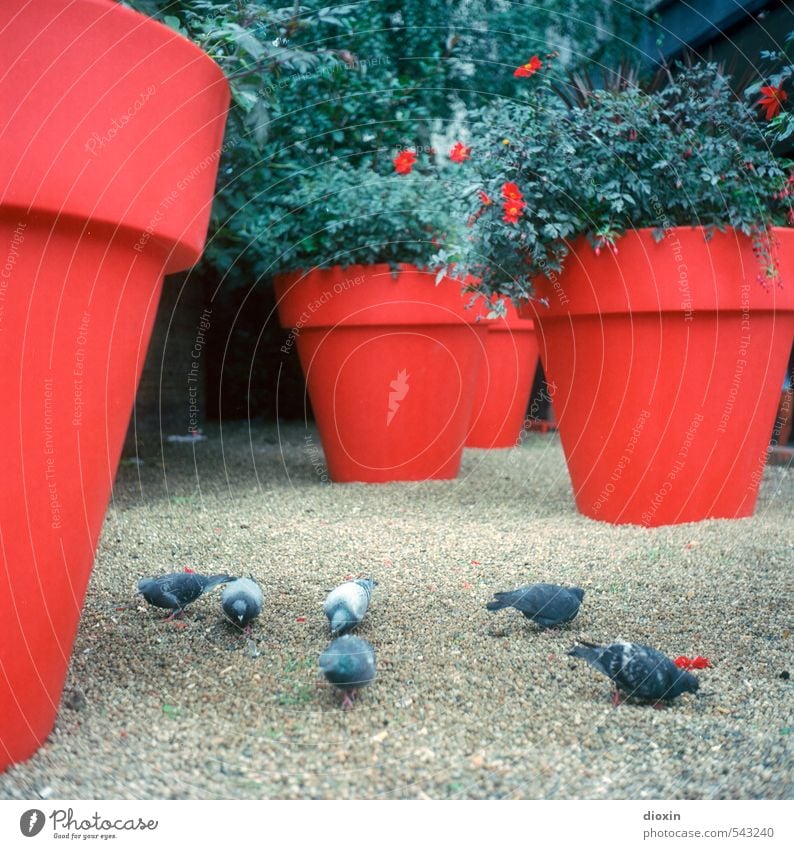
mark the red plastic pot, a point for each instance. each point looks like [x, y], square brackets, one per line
[390, 364]
[505, 382]
[95, 208]
[666, 361]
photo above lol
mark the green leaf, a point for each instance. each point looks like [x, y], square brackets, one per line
[259, 121]
[174, 23]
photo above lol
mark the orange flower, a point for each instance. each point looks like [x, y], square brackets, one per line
[532, 67]
[459, 153]
[512, 211]
[484, 199]
[772, 100]
[404, 162]
[510, 191]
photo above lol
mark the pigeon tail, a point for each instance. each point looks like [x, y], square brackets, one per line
[500, 602]
[587, 651]
[215, 581]
[368, 584]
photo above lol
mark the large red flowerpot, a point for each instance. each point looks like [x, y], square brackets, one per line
[391, 366]
[109, 142]
[505, 382]
[666, 361]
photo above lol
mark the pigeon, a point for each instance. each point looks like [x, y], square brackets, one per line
[545, 604]
[639, 671]
[348, 663]
[347, 604]
[242, 601]
[177, 590]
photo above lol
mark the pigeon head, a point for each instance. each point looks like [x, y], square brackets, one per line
[239, 610]
[684, 683]
[340, 621]
[145, 584]
[579, 593]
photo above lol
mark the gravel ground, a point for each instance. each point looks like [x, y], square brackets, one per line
[467, 704]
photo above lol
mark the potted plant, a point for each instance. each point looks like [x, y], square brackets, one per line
[505, 380]
[641, 230]
[112, 131]
[388, 347]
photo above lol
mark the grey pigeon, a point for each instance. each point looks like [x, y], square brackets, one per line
[638, 671]
[242, 601]
[545, 604]
[177, 590]
[348, 663]
[346, 605]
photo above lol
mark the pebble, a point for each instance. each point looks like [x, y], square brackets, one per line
[464, 706]
[74, 698]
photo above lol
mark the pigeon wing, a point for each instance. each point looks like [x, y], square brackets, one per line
[351, 598]
[546, 604]
[645, 673]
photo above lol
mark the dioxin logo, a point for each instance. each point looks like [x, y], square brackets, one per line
[399, 389]
[32, 822]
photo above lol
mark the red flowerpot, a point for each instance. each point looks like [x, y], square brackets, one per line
[667, 360]
[505, 383]
[782, 433]
[390, 366]
[109, 145]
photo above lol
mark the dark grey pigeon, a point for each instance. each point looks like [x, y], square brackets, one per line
[638, 671]
[346, 605]
[242, 601]
[177, 590]
[348, 663]
[545, 604]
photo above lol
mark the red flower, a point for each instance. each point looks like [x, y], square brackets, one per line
[632, 135]
[510, 191]
[459, 153]
[533, 66]
[513, 210]
[484, 199]
[787, 190]
[404, 161]
[772, 100]
[699, 662]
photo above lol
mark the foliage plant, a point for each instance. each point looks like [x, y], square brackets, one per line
[599, 162]
[356, 82]
[344, 214]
